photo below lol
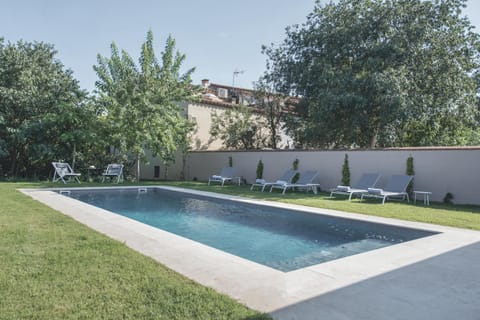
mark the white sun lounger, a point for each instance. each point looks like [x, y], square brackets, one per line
[305, 181]
[396, 187]
[285, 178]
[113, 171]
[64, 171]
[227, 174]
[367, 180]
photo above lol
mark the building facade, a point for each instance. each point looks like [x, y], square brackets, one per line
[216, 98]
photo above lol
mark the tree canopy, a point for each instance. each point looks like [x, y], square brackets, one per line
[43, 112]
[381, 73]
[141, 102]
[239, 128]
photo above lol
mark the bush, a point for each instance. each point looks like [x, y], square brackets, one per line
[411, 172]
[345, 171]
[295, 167]
[448, 199]
[260, 169]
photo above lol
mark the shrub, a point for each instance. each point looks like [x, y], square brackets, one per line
[345, 171]
[260, 169]
[295, 167]
[448, 199]
[410, 171]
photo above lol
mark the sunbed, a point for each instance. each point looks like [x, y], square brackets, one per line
[113, 171]
[396, 187]
[305, 182]
[285, 178]
[64, 171]
[367, 180]
[227, 174]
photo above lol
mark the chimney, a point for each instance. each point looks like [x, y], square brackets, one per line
[205, 83]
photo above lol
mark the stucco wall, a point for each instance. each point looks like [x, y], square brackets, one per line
[202, 140]
[436, 170]
[202, 114]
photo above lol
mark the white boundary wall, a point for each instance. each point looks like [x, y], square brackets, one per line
[439, 170]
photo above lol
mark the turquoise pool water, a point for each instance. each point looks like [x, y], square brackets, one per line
[279, 238]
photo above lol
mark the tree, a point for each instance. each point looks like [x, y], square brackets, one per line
[381, 73]
[142, 102]
[270, 104]
[345, 171]
[411, 172]
[238, 128]
[43, 112]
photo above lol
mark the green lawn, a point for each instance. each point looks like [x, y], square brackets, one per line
[52, 267]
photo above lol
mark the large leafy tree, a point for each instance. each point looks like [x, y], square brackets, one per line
[43, 114]
[381, 73]
[239, 128]
[142, 101]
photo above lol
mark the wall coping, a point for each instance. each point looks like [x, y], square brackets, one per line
[454, 148]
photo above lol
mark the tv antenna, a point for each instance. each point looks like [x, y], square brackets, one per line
[235, 74]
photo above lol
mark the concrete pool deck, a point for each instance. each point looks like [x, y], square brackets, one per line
[437, 277]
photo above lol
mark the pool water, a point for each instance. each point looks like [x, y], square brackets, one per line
[279, 238]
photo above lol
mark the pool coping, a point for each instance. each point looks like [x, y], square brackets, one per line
[258, 286]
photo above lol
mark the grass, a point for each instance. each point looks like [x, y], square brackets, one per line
[53, 267]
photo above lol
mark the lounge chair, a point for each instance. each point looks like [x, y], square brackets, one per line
[64, 171]
[367, 180]
[286, 177]
[305, 181]
[227, 174]
[113, 171]
[396, 187]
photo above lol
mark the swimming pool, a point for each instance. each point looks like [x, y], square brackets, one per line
[279, 238]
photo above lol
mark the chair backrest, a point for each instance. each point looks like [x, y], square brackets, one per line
[307, 177]
[367, 180]
[62, 168]
[227, 172]
[114, 169]
[398, 183]
[288, 175]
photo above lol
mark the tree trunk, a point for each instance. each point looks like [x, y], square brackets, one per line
[373, 139]
[184, 165]
[165, 175]
[74, 156]
[138, 167]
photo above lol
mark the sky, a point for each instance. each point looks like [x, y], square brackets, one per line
[218, 37]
